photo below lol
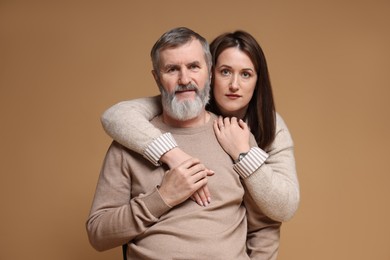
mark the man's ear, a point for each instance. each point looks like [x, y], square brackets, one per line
[155, 76]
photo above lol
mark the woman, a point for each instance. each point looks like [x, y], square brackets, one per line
[241, 92]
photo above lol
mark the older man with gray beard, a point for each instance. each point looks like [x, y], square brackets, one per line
[147, 207]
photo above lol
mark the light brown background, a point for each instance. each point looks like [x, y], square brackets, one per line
[62, 63]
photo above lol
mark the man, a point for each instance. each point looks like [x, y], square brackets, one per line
[147, 208]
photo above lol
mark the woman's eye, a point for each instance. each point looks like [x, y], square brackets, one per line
[225, 72]
[246, 75]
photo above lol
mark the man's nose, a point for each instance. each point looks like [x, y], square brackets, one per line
[184, 77]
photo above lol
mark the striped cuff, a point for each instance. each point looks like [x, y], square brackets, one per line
[251, 162]
[158, 147]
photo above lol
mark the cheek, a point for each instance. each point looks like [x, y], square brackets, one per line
[168, 83]
[250, 88]
[218, 91]
[220, 85]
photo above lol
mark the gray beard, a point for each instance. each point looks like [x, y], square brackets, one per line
[186, 109]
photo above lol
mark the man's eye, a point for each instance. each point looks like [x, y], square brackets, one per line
[194, 67]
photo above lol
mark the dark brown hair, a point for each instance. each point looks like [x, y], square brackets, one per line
[260, 115]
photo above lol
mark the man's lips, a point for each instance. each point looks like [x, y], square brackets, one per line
[183, 91]
[189, 93]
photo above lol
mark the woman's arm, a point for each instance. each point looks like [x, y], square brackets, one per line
[270, 176]
[128, 123]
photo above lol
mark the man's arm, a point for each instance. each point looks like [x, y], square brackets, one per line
[115, 217]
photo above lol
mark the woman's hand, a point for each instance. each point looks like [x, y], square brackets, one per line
[233, 135]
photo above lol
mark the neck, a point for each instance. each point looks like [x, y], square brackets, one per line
[240, 114]
[197, 121]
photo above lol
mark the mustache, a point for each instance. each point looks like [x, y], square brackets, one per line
[188, 87]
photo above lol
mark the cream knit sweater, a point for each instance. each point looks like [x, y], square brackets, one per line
[128, 208]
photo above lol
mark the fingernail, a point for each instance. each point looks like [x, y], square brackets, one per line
[209, 199]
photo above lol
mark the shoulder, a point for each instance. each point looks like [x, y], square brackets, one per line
[283, 137]
[155, 100]
[280, 123]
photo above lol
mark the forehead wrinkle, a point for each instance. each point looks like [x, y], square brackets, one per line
[184, 54]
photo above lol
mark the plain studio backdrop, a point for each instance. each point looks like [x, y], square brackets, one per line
[62, 63]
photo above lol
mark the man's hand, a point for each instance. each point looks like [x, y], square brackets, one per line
[182, 181]
[175, 157]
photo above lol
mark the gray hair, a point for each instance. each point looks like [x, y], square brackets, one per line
[175, 38]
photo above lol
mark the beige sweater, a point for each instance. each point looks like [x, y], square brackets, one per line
[273, 186]
[127, 208]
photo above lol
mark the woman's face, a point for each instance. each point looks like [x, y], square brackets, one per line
[235, 79]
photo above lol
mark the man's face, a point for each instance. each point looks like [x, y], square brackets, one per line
[183, 80]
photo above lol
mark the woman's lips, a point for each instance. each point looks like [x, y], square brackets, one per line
[232, 96]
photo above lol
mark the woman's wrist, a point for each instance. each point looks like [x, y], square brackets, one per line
[251, 162]
[238, 153]
[174, 157]
[158, 147]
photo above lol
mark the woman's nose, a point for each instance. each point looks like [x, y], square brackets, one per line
[234, 85]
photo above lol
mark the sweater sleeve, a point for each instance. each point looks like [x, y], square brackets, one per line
[274, 185]
[128, 123]
[115, 217]
[263, 238]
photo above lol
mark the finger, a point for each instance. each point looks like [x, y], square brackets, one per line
[197, 198]
[226, 121]
[203, 196]
[199, 184]
[216, 127]
[210, 172]
[198, 176]
[242, 124]
[207, 193]
[220, 122]
[189, 163]
[196, 168]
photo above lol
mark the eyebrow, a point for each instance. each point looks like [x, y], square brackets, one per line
[175, 66]
[170, 66]
[194, 63]
[230, 67]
